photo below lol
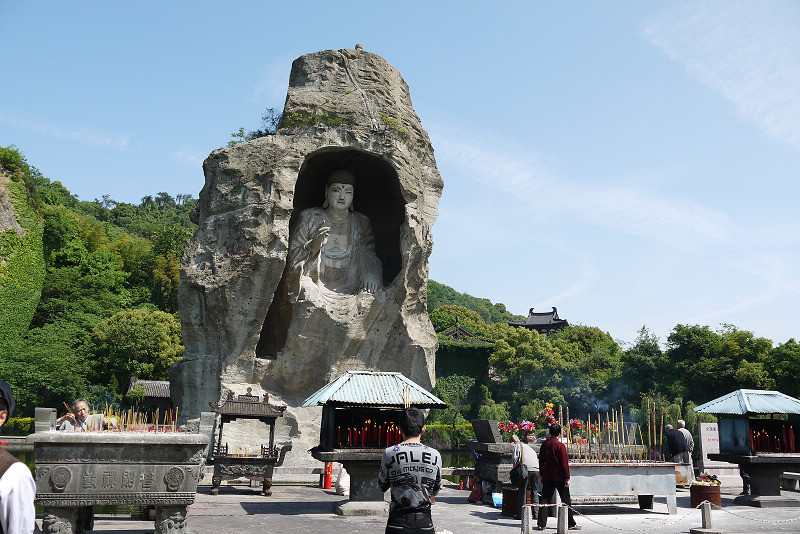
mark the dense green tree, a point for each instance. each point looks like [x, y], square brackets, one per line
[139, 342]
[47, 366]
[490, 409]
[707, 364]
[642, 363]
[455, 391]
[784, 362]
[166, 277]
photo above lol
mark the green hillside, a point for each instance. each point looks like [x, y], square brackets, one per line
[88, 290]
[442, 295]
[21, 258]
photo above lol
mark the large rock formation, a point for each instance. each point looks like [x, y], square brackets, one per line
[242, 324]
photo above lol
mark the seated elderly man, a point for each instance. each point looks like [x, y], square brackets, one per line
[79, 420]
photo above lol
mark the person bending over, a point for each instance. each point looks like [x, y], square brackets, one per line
[413, 472]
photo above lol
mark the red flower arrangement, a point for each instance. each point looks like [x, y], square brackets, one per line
[510, 428]
[546, 417]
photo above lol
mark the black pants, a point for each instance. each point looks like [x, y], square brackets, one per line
[548, 488]
[532, 483]
[410, 523]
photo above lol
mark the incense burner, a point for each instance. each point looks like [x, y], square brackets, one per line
[76, 470]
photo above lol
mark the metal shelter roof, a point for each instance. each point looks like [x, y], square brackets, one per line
[744, 401]
[373, 388]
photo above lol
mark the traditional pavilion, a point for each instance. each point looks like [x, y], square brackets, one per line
[543, 322]
[156, 395]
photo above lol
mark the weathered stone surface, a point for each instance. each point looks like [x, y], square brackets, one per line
[345, 109]
[8, 217]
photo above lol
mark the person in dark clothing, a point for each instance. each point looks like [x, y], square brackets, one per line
[745, 481]
[554, 472]
[676, 444]
[413, 472]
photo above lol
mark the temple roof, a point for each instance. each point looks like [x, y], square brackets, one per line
[374, 389]
[152, 388]
[538, 320]
[744, 401]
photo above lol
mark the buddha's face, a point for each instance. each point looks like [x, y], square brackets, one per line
[340, 196]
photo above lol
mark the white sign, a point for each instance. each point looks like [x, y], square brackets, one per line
[709, 442]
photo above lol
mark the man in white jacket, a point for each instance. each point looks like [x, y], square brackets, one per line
[17, 490]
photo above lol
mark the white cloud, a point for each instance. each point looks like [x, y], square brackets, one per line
[189, 156]
[273, 82]
[625, 209]
[582, 283]
[748, 51]
[79, 134]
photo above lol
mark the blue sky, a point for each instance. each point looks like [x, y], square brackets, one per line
[632, 163]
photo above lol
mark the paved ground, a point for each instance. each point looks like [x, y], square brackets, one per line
[308, 509]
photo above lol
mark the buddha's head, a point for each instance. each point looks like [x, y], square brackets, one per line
[339, 191]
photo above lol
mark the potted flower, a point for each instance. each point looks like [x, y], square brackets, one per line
[527, 428]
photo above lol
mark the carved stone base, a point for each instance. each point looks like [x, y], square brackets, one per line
[57, 520]
[170, 520]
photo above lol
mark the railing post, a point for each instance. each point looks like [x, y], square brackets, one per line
[706, 514]
[526, 519]
[563, 514]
